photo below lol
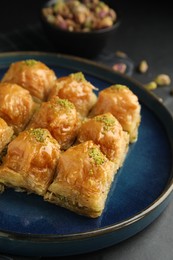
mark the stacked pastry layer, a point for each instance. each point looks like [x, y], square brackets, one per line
[60, 140]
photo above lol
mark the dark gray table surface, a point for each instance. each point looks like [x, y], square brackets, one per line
[145, 32]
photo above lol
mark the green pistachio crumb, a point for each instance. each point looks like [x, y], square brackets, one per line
[58, 5]
[62, 198]
[96, 155]
[65, 103]
[163, 80]
[151, 85]
[30, 62]
[38, 134]
[143, 66]
[78, 76]
[119, 86]
[101, 4]
[106, 120]
[90, 171]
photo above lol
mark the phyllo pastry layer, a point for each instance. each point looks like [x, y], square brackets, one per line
[35, 76]
[60, 117]
[6, 134]
[16, 106]
[76, 89]
[30, 161]
[123, 104]
[106, 131]
[83, 180]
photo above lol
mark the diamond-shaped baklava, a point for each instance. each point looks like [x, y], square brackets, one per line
[76, 89]
[60, 117]
[123, 104]
[30, 161]
[16, 106]
[106, 131]
[83, 179]
[35, 76]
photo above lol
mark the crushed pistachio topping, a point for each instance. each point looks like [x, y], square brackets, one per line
[65, 103]
[106, 120]
[62, 198]
[38, 134]
[96, 155]
[119, 87]
[78, 76]
[30, 62]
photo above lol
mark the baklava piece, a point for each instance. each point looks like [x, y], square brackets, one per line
[76, 89]
[106, 131]
[35, 76]
[6, 134]
[16, 106]
[82, 181]
[30, 161]
[123, 104]
[60, 117]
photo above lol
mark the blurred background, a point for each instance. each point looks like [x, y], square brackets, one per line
[145, 33]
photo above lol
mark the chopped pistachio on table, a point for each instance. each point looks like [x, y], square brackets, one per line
[163, 80]
[151, 85]
[143, 66]
[160, 80]
[121, 54]
[120, 67]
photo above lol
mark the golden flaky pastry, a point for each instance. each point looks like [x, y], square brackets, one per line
[6, 134]
[35, 76]
[83, 179]
[106, 131]
[59, 140]
[123, 104]
[30, 161]
[60, 117]
[16, 106]
[76, 89]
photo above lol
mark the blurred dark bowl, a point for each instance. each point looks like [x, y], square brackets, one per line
[84, 44]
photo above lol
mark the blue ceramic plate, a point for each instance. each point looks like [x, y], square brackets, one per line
[140, 192]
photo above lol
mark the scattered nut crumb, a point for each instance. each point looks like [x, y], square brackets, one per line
[143, 66]
[151, 85]
[121, 54]
[163, 80]
[160, 99]
[120, 67]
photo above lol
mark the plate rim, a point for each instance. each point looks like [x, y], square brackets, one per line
[167, 191]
